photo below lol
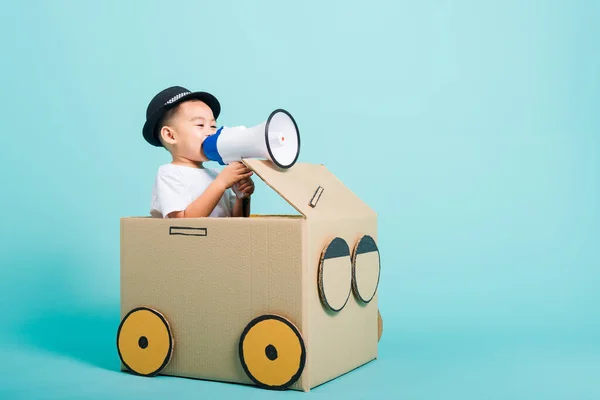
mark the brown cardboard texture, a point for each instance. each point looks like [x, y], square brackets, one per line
[275, 301]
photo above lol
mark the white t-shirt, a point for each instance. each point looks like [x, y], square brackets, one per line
[176, 186]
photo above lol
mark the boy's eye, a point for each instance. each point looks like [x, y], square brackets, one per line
[214, 127]
[200, 125]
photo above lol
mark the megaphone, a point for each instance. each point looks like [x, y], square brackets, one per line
[277, 139]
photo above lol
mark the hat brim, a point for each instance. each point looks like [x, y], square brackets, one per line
[149, 130]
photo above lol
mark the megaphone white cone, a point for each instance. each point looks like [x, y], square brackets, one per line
[276, 139]
[283, 142]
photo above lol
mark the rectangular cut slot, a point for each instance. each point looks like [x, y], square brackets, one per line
[186, 231]
[316, 197]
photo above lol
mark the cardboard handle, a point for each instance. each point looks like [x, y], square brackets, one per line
[246, 207]
[315, 199]
[187, 231]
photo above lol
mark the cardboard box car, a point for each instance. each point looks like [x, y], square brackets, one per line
[276, 301]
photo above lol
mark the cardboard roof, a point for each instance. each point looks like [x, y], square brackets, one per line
[311, 189]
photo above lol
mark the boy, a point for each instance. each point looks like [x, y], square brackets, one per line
[179, 121]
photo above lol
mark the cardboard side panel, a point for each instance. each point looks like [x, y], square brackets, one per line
[210, 277]
[339, 341]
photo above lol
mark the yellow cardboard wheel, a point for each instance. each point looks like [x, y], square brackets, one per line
[144, 341]
[272, 352]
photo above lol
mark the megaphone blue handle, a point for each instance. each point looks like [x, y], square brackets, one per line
[210, 147]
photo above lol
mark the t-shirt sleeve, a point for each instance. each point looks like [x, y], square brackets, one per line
[170, 193]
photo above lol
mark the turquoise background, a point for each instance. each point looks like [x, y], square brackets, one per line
[472, 128]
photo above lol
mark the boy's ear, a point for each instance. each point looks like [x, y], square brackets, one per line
[167, 135]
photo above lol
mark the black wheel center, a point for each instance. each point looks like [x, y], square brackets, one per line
[271, 352]
[143, 342]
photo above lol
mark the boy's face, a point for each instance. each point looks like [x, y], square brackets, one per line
[185, 132]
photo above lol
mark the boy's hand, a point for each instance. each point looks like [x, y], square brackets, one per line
[245, 187]
[233, 173]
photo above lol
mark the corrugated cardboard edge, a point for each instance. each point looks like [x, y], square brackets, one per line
[306, 378]
[121, 258]
[379, 325]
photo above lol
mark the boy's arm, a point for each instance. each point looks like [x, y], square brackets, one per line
[204, 204]
[207, 201]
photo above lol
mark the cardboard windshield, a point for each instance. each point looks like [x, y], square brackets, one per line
[311, 189]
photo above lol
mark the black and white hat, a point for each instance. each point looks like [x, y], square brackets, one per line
[167, 99]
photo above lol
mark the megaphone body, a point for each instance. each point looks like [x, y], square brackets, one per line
[277, 139]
